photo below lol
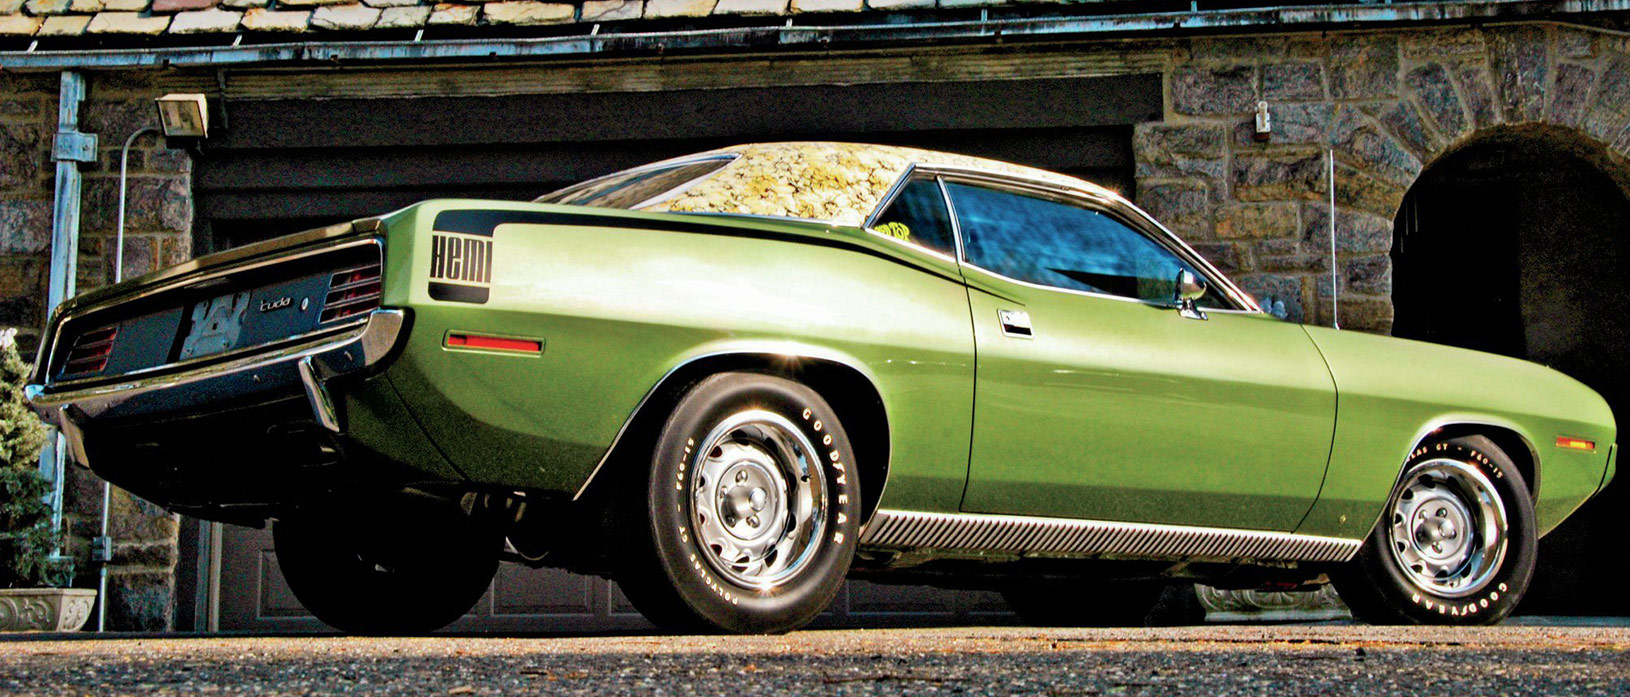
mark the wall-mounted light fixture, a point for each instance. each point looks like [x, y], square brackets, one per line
[1263, 130]
[184, 115]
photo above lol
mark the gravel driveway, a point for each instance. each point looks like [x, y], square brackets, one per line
[1217, 660]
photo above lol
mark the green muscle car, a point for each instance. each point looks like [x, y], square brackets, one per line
[731, 380]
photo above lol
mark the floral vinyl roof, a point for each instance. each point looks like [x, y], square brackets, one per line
[836, 182]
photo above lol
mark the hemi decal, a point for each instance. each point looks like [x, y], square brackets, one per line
[460, 268]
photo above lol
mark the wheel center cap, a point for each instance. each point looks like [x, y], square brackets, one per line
[1440, 529]
[745, 493]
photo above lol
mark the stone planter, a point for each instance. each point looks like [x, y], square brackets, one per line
[1270, 606]
[45, 609]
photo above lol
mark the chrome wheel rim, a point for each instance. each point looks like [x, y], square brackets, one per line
[758, 499]
[1447, 531]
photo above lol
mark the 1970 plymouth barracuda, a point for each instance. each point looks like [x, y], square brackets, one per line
[729, 381]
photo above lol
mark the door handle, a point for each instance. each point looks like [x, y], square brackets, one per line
[1016, 323]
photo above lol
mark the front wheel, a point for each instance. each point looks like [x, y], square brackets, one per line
[1455, 545]
[747, 519]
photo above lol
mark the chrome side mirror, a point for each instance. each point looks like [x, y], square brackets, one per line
[1190, 288]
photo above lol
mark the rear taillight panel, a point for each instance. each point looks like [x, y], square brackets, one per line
[263, 303]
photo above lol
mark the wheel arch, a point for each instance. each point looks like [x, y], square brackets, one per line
[1516, 446]
[851, 392]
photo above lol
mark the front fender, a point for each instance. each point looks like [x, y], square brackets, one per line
[1393, 393]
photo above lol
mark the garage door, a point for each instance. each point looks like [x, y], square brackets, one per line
[286, 165]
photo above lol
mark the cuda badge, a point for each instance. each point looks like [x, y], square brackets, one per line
[278, 304]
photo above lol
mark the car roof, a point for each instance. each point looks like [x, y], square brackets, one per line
[832, 182]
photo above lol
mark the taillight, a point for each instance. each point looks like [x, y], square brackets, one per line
[352, 292]
[90, 351]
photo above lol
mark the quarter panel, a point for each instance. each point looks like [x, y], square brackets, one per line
[618, 307]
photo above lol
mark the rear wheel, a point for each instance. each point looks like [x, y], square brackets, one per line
[411, 572]
[1455, 545]
[747, 519]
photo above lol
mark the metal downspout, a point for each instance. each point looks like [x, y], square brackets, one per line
[104, 544]
[68, 150]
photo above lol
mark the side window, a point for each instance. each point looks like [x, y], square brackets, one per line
[918, 216]
[1041, 240]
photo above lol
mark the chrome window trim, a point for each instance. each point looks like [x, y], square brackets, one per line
[889, 196]
[44, 365]
[750, 216]
[915, 248]
[888, 200]
[1039, 536]
[956, 224]
[1090, 294]
[1105, 201]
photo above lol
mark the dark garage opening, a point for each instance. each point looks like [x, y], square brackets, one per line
[288, 165]
[1512, 245]
[285, 166]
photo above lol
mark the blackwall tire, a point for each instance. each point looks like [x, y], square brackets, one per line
[747, 518]
[406, 575]
[1456, 544]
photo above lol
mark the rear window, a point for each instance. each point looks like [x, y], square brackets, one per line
[638, 187]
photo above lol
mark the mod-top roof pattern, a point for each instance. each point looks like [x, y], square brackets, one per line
[68, 18]
[837, 182]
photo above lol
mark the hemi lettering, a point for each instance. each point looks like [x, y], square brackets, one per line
[464, 259]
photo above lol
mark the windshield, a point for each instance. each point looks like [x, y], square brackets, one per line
[640, 187]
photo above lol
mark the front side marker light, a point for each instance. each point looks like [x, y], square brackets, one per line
[1571, 443]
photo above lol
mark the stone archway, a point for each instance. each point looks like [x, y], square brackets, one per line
[1511, 147]
[1512, 244]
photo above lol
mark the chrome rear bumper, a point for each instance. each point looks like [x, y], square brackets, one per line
[306, 367]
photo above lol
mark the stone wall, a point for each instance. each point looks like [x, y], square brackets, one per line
[1388, 103]
[158, 233]
[27, 122]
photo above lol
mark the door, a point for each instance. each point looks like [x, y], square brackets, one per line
[1096, 398]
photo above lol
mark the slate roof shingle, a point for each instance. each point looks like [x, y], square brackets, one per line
[66, 18]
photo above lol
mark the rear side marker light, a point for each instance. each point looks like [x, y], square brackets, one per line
[494, 343]
[1571, 443]
[90, 351]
